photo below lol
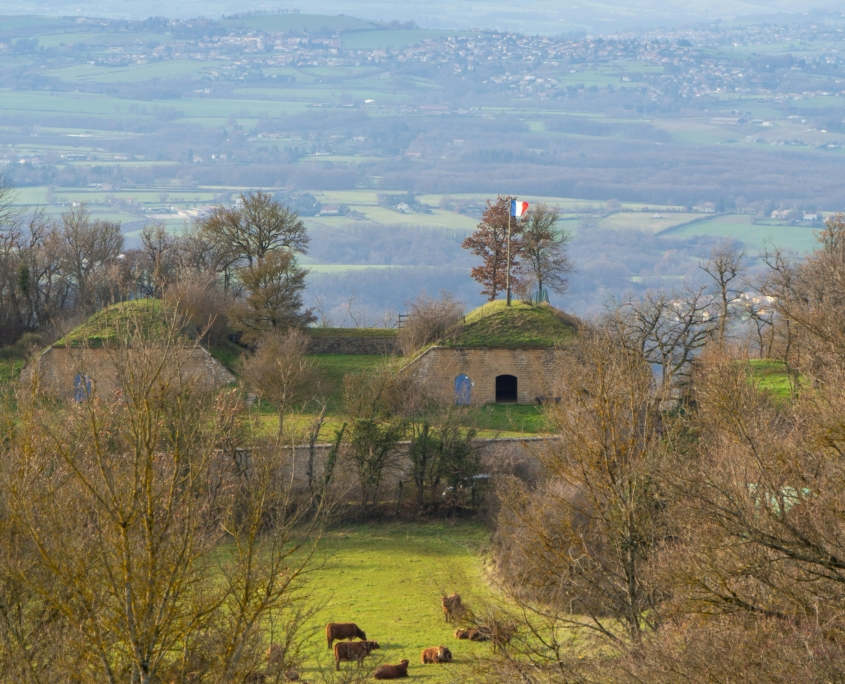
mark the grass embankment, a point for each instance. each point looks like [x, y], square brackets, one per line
[145, 317]
[388, 579]
[519, 326]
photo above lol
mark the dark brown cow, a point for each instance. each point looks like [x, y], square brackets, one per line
[392, 671]
[347, 651]
[436, 654]
[474, 634]
[453, 607]
[343, 630]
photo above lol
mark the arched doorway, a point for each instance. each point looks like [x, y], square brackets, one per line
[506, 389]
[463, 390]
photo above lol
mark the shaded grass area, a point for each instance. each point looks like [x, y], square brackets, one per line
[510, 419]
[520, 326]
[388, 579]
[334, 367]
[772, 376]
[10, 369]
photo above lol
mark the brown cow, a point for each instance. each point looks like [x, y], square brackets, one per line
[453, 607]
[347, 651]
[436, 654]
[392, 671]
[474, 634]
[343, 630]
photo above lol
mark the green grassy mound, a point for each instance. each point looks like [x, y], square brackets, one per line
[145, 317]
[519, 326]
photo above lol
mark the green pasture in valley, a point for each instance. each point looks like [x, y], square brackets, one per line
[388, 579]
[753, 237]
[646, 221]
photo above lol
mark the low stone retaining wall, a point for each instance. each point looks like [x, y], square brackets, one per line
[325, 344]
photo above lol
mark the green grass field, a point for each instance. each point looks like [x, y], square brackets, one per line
[388, 579]
[754, 237]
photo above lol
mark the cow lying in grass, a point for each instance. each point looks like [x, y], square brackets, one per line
[347, 651]
[338, 631]
[474, 634]
[436, 654]
[392, 671]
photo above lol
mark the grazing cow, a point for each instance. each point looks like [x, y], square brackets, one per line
[392, 671]
[436, 654]
[343, 630]
[453, 607]
[347, 651]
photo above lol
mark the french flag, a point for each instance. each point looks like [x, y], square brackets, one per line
[518, 208]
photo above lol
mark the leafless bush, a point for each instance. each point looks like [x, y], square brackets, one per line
[428, 319]
[577, 546]
[202, 304]
[132, 548]
[279, 370]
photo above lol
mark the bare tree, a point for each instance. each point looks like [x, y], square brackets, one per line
[808, 296]
[543, 250]
[726, 267]
[146, 554]
[574, 551]
[428, 320]
[273, 295]
[90, 249]
[204, 306]
[280, 372]
[257, 226]
[668, 329]
[159, 249]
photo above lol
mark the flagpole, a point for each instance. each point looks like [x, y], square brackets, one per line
[508, 280]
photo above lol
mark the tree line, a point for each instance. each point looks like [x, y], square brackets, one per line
[240, 263]
[686, 525]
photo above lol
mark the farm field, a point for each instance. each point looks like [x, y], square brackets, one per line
[754, 237]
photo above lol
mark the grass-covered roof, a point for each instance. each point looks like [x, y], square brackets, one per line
[519, 326]
[148, 318]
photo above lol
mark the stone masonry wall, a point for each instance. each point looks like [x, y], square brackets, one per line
[534, 369]
[353, 345]
[58, 367]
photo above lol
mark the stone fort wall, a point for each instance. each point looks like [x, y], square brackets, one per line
[58, 368]
[348, 344]
[536, 371]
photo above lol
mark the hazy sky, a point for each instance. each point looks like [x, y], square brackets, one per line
[532, 16]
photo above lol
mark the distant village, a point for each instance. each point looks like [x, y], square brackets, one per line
[520, 65]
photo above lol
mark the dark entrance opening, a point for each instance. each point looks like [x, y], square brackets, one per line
[505, 389]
